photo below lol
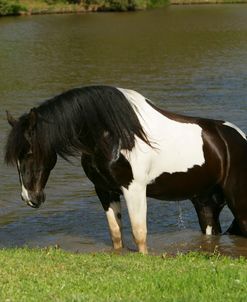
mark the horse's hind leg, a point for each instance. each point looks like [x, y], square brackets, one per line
[112, 206]
[234, 228]
[239, 211]
[235, 190]
[208, 209]
[239, 224]
[234, 183]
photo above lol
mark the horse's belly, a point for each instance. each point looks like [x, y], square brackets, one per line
[180, 186]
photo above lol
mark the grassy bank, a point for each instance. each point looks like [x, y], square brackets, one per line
[20, 7]
[184, 2]
[54, 275]
[29, 7]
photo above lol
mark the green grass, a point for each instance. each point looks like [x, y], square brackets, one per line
[31, 7]
[55, 275]
[20, 7]
[11, 7]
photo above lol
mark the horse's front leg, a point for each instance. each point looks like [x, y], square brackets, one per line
[111, 204]
[135, 196]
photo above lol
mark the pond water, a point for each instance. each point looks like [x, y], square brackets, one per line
[187, 59]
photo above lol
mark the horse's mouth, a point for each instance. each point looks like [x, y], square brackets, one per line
[33, 205]
[34, 201]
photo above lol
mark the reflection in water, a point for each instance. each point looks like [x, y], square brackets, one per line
[187, 59]
[187, 240]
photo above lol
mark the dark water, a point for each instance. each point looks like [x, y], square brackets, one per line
[190, 59]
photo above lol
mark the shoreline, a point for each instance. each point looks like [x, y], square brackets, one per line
[205, 2]
[27, 8]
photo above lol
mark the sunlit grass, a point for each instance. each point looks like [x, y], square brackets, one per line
[55, 275]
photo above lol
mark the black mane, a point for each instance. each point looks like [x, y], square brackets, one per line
[79, 120]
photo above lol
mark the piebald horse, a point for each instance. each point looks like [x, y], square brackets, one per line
[129, 146]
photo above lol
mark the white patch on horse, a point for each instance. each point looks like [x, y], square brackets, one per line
[24, 191]
[236, 128]
[112, 215]
[177, 147]
[135, 196]
[209, 230]
[114, 222]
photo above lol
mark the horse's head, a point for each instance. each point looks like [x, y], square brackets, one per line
[34, 164]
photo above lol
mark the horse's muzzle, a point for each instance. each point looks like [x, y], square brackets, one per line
[35, 199]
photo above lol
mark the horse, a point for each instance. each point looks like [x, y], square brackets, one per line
[130, 147]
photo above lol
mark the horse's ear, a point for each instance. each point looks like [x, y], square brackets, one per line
[11, 120]
[32, 118]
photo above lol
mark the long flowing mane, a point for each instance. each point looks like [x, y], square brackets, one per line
[77, 121]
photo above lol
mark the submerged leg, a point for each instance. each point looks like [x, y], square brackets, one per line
[237, 201]
[136, 201]
[208, 210]
[234, 228]
[239, 224]
[111, 204]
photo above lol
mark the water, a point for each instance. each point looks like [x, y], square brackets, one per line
[188, 59]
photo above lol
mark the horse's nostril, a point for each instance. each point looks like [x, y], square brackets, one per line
[35, 199]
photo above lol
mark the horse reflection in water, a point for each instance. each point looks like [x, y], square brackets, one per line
[129, 146]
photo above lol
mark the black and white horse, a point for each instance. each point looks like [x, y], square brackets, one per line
[129, 146]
